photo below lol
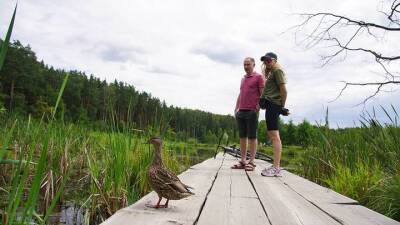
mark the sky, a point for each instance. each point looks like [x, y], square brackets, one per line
[190, 53]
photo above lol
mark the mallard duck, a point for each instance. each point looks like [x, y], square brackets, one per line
[164, 182]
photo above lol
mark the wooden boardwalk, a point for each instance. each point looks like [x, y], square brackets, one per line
[226, 196]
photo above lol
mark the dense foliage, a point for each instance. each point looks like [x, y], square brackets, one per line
[28, 86]
[97, 118]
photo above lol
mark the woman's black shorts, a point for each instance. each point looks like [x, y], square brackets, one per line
[247, 122]
[272, 112]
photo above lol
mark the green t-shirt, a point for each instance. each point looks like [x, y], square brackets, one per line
[271, 90]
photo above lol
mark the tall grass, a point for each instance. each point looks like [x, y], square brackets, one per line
[40, 174]
[4, 45]
[46, 162]
[29, 181]
[362, 163]
[60, 162]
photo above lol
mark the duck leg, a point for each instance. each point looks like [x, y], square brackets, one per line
[157, 205]
[161, 206]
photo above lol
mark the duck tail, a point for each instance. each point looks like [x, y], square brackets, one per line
[189, 189]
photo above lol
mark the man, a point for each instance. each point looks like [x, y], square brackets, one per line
[246, 113]
[275, 93]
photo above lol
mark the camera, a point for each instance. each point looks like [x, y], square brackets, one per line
[284, 111]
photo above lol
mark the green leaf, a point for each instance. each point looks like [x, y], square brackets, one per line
[4, 46]
[7, 140]
[11, 161]
[60, 93]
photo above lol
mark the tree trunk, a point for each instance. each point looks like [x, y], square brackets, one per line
[12, 94]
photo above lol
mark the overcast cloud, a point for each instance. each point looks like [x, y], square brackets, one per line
[189, 53]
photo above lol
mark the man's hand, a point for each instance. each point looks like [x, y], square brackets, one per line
[235, 111]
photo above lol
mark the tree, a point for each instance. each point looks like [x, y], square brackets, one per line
[262, 132]
[342, 34]
[31, 87]
[291, 134]
[305, 133]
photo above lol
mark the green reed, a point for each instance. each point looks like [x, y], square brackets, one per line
[5, 43]
[362, 163]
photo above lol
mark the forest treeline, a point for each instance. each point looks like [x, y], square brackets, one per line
[30, 87]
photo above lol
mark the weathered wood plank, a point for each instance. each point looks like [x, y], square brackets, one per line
[283, 205]
[332, 203]
[337, 206]
[307, 188]
[185, 211]
[232, 200]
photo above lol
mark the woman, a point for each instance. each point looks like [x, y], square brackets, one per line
[275, 93]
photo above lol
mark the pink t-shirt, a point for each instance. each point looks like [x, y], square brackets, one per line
[251, 88]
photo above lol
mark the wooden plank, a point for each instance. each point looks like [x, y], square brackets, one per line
[341, 208]
[185, 211]
[308, 188]
[283, 205]
[232, 199]
[336, 205]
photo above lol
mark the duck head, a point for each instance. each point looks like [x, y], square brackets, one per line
[156, 141]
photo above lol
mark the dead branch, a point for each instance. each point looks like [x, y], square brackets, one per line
[327, 29]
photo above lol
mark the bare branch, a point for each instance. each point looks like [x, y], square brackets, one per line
[386, 70]
[377, 55]
[394, 7]
[353, 22]
[327, 28]
[379, 84]
[373, 95]
[342, 47]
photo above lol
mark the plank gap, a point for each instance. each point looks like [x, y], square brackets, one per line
[209, 190]
[258, 197]
[327, 213]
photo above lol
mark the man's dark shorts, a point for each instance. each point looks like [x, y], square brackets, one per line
[272, 112]
[247, 122]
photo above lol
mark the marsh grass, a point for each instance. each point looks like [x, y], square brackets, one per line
[362, 163]
[292, 157]
[60, 162]
[5, 43]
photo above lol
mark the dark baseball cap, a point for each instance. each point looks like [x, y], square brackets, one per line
[269, 55]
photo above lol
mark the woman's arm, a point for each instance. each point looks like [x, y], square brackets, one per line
[283, 91]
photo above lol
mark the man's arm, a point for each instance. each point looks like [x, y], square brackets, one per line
[283, 91]
[237, 105]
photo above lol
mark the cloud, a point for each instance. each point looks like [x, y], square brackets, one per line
[169, 51]
[110, 52]
[220, 51]
[115, 54]
[161, 70]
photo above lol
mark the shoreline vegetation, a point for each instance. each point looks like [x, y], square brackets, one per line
[51, 163]
[69, 137]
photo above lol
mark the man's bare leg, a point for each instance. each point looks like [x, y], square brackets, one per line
[243, 149]
[253, 149]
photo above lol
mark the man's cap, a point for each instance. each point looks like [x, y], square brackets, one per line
[269, 55]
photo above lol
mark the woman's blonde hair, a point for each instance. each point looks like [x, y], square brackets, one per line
[266, 71]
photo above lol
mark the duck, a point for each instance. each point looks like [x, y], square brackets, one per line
[164, 182]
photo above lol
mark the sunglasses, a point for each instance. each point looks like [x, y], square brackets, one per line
[268, 60]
